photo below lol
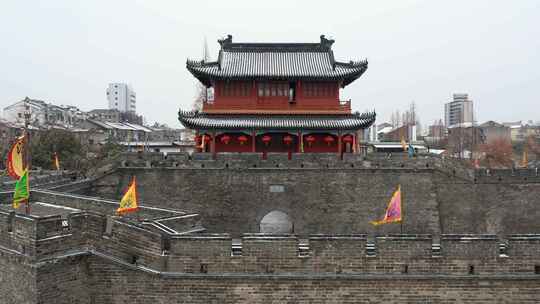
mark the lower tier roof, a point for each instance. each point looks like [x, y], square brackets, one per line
[205, 121]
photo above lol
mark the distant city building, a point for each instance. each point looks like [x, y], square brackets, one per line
[463, 141]
[108, 115]
[520, 131]
[494, 131]
[113, 115]
[436, 135]
[459, 111]
[164, 133]
[121, 97]
[43, 114]
[118, 131]
[406, 132]
[437, 131]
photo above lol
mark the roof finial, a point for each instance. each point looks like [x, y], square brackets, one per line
[225, 41]
[326, 42]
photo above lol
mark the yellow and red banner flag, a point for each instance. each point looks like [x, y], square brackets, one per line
[129, 200]
[56, 161]
[403, 143]
[22, 190]
[525, 158]
[15, 159]
[393, 211]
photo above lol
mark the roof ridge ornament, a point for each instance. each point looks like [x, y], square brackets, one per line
[225, 41]
[327, 43]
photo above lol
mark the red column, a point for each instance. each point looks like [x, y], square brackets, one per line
[213, 146]
[300, 142]
[253, 136]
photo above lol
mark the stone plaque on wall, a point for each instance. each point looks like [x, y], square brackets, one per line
[277, 188]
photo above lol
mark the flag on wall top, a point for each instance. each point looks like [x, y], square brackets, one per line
[56, 161]
[403, 143]
[22, 190]
[525, 158]
[129, 200]
[15, 160]
[393, 211]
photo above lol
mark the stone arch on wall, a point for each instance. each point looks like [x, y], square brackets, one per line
[276, 222]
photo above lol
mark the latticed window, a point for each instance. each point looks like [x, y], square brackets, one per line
[319, 89]
[272, 89]
[236, 88]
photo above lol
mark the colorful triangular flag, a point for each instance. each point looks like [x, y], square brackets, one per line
[403, 143]
[393, 211]
[56, 161]
[15, 160]
[22, 190]
[129, 200]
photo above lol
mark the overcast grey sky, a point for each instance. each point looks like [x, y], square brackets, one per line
[67, 51]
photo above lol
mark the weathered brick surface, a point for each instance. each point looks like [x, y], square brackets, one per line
[64, 281]
[317, 200]
[94, 267]
[118, 285]
[485, 256]
[17, 279]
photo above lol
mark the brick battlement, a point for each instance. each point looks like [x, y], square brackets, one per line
[282, 161]
[508, 176]
[139, 243]
[450, 167]
[76, 251]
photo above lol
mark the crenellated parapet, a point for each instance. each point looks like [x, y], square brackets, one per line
[184, 160]
[507, 176]
[449, 167]
[141, 244]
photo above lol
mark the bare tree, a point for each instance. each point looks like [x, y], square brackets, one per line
[393, 120]
[498, 153]
[201, 96]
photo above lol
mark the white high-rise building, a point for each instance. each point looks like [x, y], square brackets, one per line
[459, 111]
[121, 97]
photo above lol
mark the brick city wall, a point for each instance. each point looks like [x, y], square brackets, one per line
[335, 256]
[90, 263]
[322, 194]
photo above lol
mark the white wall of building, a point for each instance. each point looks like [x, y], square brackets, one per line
[459, 111]
[15, 113]
[121, 97]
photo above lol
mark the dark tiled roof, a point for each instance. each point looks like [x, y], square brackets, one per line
[197, 120]
[311, 61]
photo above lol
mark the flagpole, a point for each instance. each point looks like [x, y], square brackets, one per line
[401, 210]
[26, 145]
